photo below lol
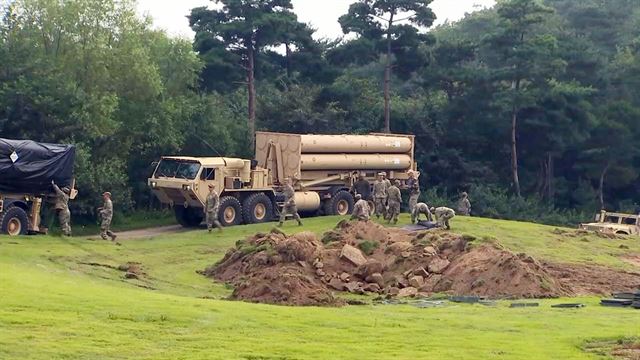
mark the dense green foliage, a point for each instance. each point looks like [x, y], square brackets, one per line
[533, 98]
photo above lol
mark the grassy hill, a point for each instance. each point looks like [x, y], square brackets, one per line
[66, 299]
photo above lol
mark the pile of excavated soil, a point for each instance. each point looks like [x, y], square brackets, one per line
[361, 257]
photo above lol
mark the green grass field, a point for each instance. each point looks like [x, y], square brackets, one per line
[53, 305]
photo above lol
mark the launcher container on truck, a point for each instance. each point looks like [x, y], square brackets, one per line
[324, 168]
[26, 171]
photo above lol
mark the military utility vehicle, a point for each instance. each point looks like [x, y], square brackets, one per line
[614, 223]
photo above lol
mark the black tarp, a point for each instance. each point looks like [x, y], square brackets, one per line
[34, 165]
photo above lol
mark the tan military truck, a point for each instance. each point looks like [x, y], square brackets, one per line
[614, 223]
[324, 168]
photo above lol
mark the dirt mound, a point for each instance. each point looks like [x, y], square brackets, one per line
[275, 269]
[361, 257]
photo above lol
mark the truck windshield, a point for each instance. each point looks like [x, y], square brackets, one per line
[177, 169]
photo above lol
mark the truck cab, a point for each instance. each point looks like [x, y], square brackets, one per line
[183, 183]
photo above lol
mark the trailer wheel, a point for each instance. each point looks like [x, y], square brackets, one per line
[230, 211]
[340, 204]
[257, 208]
[188, 217]
[14, 221]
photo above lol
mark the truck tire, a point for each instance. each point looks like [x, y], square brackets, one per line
[230, 211]
[188, 217]
[340, 204]
[14, 221]
[257, 208]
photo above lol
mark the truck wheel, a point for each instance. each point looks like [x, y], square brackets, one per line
[230, 212]
[340, 204]
[257, 208]
[188, 217]
[14, 221]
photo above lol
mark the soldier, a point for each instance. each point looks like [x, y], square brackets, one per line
[361, 209]
[362, 187]
[106, 214]
[443, 215]
[62, 208]
[380, 196]
[395, 199]
[289, 203]
[420, 209]
[387, 182]
[414, 190]
[211, 209]
[464, 205]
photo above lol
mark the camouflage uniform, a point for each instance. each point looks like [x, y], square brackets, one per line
[361, 210]
[464, 205]
[62, 208]
[443, 215]
[414, 192]
[420, 209]
[395, 199]
[289, 205]
[211, 210]
[106, 214]
[380, 197]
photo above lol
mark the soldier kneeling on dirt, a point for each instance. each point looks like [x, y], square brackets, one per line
[420, 209]
[443, 215]
[361, 209]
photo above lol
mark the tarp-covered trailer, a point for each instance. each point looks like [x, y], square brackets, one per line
[26, 171]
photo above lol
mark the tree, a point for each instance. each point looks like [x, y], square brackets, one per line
[391, 22]
[523, 62]
[240, 30]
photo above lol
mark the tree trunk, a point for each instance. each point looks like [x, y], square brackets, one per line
[514, 150]
[287, 48]
[601, 189]
[251, 121]
[387, 80]
[550, 192]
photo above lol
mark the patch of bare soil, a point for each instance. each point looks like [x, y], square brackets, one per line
[593, 280]
[632, 259]
[629, 351]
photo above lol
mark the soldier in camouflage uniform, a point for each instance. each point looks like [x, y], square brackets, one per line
[395, 200]
[464, 205]
[106, 215]
[443, 215]
[62, 208]
[420, 209]
[211, 209]
[380, 196]
[361, 209]
[414, 190]
[289, 203]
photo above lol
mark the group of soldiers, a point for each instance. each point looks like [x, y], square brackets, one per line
[387, 200]
[386, 197]
[61, 206]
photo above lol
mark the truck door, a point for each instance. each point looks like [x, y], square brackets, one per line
[207, 176]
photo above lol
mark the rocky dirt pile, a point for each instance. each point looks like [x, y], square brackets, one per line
[362, 258]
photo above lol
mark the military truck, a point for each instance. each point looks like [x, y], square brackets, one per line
[614, 223]
[323, 167]
[27, 169]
